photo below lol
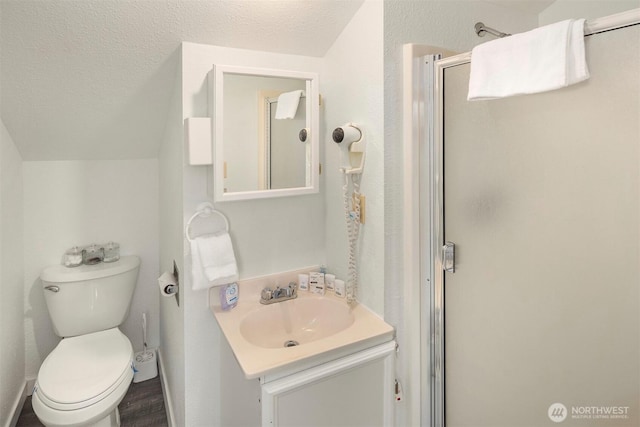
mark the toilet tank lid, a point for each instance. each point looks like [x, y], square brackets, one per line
[62, 274]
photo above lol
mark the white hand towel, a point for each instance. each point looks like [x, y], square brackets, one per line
[198, 280]
[288, 104]
[217, 258]
[544, 59]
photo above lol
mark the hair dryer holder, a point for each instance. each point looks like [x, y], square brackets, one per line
[356, 152]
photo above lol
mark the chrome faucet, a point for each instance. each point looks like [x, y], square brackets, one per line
[269, 296]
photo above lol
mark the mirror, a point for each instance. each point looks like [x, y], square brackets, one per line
[265, 133]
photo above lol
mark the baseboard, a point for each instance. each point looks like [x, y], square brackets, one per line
[31, 383]
[168, 404]
[17, 406]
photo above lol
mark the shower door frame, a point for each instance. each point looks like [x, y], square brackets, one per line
[432, 229]
[436, 214]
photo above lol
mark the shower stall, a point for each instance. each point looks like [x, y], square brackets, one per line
[533, 318]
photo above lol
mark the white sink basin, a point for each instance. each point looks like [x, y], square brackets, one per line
[325, 327]
[295, 322]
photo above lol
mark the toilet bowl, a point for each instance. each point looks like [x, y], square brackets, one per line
[82, 381]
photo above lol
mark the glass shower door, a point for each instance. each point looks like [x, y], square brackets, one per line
[542, 199]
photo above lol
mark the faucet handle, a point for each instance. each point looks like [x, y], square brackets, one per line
[292, 289]
[277, 292]
[266, 294]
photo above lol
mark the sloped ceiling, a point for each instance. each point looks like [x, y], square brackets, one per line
[93, 79]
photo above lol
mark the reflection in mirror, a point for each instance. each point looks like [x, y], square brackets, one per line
[259, 115]
[286, 157]
[261, 151]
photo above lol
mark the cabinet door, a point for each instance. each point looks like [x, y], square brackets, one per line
[356, 390]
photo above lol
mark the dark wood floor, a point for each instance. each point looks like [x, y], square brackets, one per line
[142, 406]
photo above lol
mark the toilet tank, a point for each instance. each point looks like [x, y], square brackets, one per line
[89, 298]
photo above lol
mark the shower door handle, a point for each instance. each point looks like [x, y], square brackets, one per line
[449, 257]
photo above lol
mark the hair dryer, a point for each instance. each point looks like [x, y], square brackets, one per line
[350, 140]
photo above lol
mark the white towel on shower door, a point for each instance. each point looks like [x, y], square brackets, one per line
[544, 59]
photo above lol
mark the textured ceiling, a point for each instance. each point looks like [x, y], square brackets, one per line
[92, 79]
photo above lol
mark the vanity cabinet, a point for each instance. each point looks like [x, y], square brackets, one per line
[355, 390]
[341, 373]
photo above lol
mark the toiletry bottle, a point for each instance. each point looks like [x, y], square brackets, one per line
[229, 296]
[316, 282]
[340, 288]
[329, 281]
[303, 282]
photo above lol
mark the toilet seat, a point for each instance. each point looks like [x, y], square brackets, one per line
[83, 370]
[103, 413]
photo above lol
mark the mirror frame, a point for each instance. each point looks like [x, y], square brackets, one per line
[217, 108]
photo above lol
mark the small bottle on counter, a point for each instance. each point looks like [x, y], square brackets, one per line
[316, 282]
[303, 282]
[229, 296]
[329, 281]
[340, 288]
[73, 257]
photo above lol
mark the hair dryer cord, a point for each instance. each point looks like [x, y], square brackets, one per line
[352, 216]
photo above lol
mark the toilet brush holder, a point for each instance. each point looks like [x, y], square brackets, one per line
[146, 366]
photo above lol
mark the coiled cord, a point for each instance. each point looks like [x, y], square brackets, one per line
[352, 217]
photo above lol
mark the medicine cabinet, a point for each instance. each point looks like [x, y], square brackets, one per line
[257, 153]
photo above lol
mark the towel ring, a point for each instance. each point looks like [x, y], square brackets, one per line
[204, 209]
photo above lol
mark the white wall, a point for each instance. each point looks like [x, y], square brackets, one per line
[448, 24]
[351, 86]
[588, 9]
[353, 92]
[171, 315]
[69, 203]
[269, 235]
[11, 270]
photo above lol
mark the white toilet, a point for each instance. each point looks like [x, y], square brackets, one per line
[85, 377]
